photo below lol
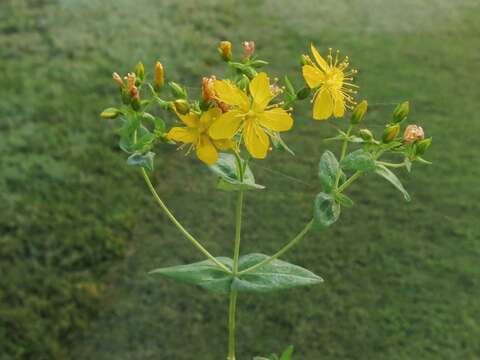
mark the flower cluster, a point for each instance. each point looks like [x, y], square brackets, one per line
[248, 110]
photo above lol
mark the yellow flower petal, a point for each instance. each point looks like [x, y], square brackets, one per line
[191, 119]
[256, 140]
[260, 90]
[224, 144]
[320, 60]
[206, 151]
[182, 134]
[339, 105]
[226, 126]
[313, 76]
[323, 105]
[276, 119]
[210, 116]
[230, 94]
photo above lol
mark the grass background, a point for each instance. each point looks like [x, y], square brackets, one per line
[78, 230]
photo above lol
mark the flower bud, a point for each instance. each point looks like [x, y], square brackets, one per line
[118, 80]
[177, 90]
[366, 134]
[303, 93]
[359, 112]
[131, 79]
[110, 113]
[140, 71]
[412, 134]
[305, 60]
[159, 79]
[181, 106]
[401, 112]
[390, 133]
[208, 90]
[135, 97]
[248, 48]
[225, 50]
[422, 146]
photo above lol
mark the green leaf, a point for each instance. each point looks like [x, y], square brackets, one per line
[327, 170]
[142, 160]
[280, 144]
[287, 354]
[358, 160]
[343, 200]
[226, 169]
[325, 212]
[289, 87]
[276, 275]
[392, 178]
[204, 274]
[258, 63]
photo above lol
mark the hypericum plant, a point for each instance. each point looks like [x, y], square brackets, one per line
[237, 120]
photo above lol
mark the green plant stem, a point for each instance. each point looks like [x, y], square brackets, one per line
[343, 153]
[180, 227]
[233, 294]
[350, 180]
[282, 251]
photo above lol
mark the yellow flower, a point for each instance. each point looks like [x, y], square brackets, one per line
[196, 133]
[250, 115]
[333, 94]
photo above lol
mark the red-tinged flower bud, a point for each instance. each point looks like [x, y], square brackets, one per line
[159, 76]
[117, 78]
[412, 134]
[131, 79]
[248, 48]
[208, 90]
[390, 133]
[225, 50]
[135, 97]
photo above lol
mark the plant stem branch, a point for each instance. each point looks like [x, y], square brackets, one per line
[342, 154]
[350, 180]
[179, 226]
[282, 251]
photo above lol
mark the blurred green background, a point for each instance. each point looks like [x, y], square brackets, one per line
[79, 231]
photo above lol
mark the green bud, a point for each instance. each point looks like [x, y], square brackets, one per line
[303, 93]
[390, 133]
[359, 112]
[140, 71]
[110, 113]
[401, 112]
[366, 134]
[422, 146]
[177, 90]
[181, 106]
